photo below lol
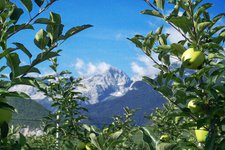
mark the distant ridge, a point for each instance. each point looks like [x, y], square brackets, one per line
[109, 92]
[142, 97]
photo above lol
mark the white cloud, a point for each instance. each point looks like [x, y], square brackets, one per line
[79, 63]
[174, 36]
[143, 66]
[90, 68]
[137, 69]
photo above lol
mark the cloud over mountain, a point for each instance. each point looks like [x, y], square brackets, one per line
[143, 66]
[90, 68]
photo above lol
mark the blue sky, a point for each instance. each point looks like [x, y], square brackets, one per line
[104, 45]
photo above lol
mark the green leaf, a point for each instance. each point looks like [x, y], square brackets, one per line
[94, 141]
[165, 146]
[75, 30]
[175, 11]
[17, 12]
[28, 81]
[162, 40]
[203, 25]
[13, 62]
[39, 2]
[5, 105]
[23, 48]
[112, 145]
[201, 10]
[2, 68]
[136, 42]
[222, 144]
[218, 17]
[210, 143]
[18, 94]
[196, 3]
[177, 49]
[116, 135]
[28, 4]
[43, 57]
[138, 137]
[15, 28]
[22, 139]
[222, 33]
[159, 30]
[152, 13]
[183, 23]
[42, 21]
[148, 44]
[150, 81]
[25, 69]
[165, 90]
[41, 39]
[160, 3]
[54, 31]
[216, 29]
[4, 130]
[149, 137]
[3, 76]
[6, 52]
[165, 59]
[55, 18]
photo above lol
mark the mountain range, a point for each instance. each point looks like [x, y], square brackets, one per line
[108, 94]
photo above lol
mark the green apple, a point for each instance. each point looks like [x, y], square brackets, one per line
[201, 134]
[165, 138]
[194, 57]
[193, 106]
[87, 147]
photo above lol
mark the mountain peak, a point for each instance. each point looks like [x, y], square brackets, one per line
[108, 83]
[113, 82]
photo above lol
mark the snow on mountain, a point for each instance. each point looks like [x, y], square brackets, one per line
[112, 82]
[29, 90]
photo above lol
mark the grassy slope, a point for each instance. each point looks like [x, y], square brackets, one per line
[29, 113]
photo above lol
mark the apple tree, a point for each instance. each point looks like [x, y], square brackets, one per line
[191, 69]
[65, 120]
[47, 40]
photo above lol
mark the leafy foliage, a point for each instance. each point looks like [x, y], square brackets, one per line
[65, 121]
[47, 40]
[172, 127]
[180, 85]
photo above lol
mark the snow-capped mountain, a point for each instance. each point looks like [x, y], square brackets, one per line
[113, 82]
[99, 87]
[29, 90]
[109, 92]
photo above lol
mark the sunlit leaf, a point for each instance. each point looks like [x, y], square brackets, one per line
[41, 39]
[152, 13]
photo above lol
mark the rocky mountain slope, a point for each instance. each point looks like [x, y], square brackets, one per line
[142, 97]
